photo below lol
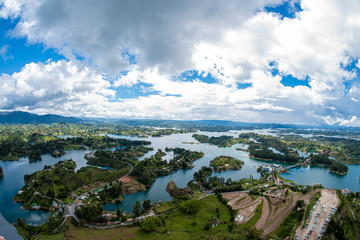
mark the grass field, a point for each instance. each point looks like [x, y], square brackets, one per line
[59, 236]
[177, 225]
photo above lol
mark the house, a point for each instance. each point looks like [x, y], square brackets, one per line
[54, 204]
[345, 191]
[83, 197]
[266, 169]
[215, 223]
[149, 213]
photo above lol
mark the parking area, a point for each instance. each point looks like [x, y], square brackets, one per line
[319, 217]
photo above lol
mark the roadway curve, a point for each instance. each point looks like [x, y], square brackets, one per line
[70, 210]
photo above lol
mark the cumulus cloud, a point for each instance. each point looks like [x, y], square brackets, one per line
[51, 85]
[160, 33]
[233, 42]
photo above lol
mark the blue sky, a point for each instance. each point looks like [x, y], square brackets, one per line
[19, 52]
[284, 61]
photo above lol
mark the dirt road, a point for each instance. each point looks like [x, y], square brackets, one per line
[265, 214]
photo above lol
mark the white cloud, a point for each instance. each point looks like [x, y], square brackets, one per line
[4, 52]
[162, 34]
[51, 85]
[233, 42]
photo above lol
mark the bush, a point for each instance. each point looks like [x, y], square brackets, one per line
[190, 206]
[150, 223]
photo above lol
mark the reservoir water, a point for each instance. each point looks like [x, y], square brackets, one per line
[14, 172]
[13, 181]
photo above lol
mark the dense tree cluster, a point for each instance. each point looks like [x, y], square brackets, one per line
[13, 148]
[151, 223]
[333, 165]
[147, 170]
[91, 213]
[270, 155]
[190, 206]
[222, 141]
[58, 181]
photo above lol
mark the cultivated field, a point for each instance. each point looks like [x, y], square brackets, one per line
[274, 209]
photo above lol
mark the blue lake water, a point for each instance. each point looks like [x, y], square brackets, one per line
[13, 181]
[14, 172]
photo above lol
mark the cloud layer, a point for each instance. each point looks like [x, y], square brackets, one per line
[159, 44]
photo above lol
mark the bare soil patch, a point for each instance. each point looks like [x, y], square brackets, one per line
[265, 214]
[246, 213]
[235, 197]
[126, 179]
[132, 187]
[280, 211]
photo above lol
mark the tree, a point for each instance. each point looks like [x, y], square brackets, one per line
[50, 193]
[118, 212]
[190, 206]
[150, 223]
[136, 208]
[147, 205]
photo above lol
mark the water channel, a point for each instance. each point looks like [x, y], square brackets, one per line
[12, 181]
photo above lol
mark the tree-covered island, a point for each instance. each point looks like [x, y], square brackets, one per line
[283, 149]
[223, 163]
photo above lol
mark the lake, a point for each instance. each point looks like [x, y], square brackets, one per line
[14, 172]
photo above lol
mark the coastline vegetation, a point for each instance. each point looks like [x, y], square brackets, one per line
[223, 163]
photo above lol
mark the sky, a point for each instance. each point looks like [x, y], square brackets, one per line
[257, 61]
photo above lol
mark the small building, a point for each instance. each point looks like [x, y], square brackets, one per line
[215, 222]
[345, 191]
[266, 169]
[83, 197]
[54, 204]
[149, 213]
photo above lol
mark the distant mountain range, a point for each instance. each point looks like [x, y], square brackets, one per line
[18, 117]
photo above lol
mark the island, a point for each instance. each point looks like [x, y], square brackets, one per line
[333, 165]
[223, 163]
[207, 207]
[284, 149]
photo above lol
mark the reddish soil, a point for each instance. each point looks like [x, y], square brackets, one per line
[234, 197]
[284, 211]
[265, 214]
[126, 179]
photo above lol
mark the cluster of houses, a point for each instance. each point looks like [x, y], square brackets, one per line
[204, 190]
[109, 216]
[272, 168]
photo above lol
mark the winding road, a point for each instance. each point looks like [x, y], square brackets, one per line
[70, 210]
